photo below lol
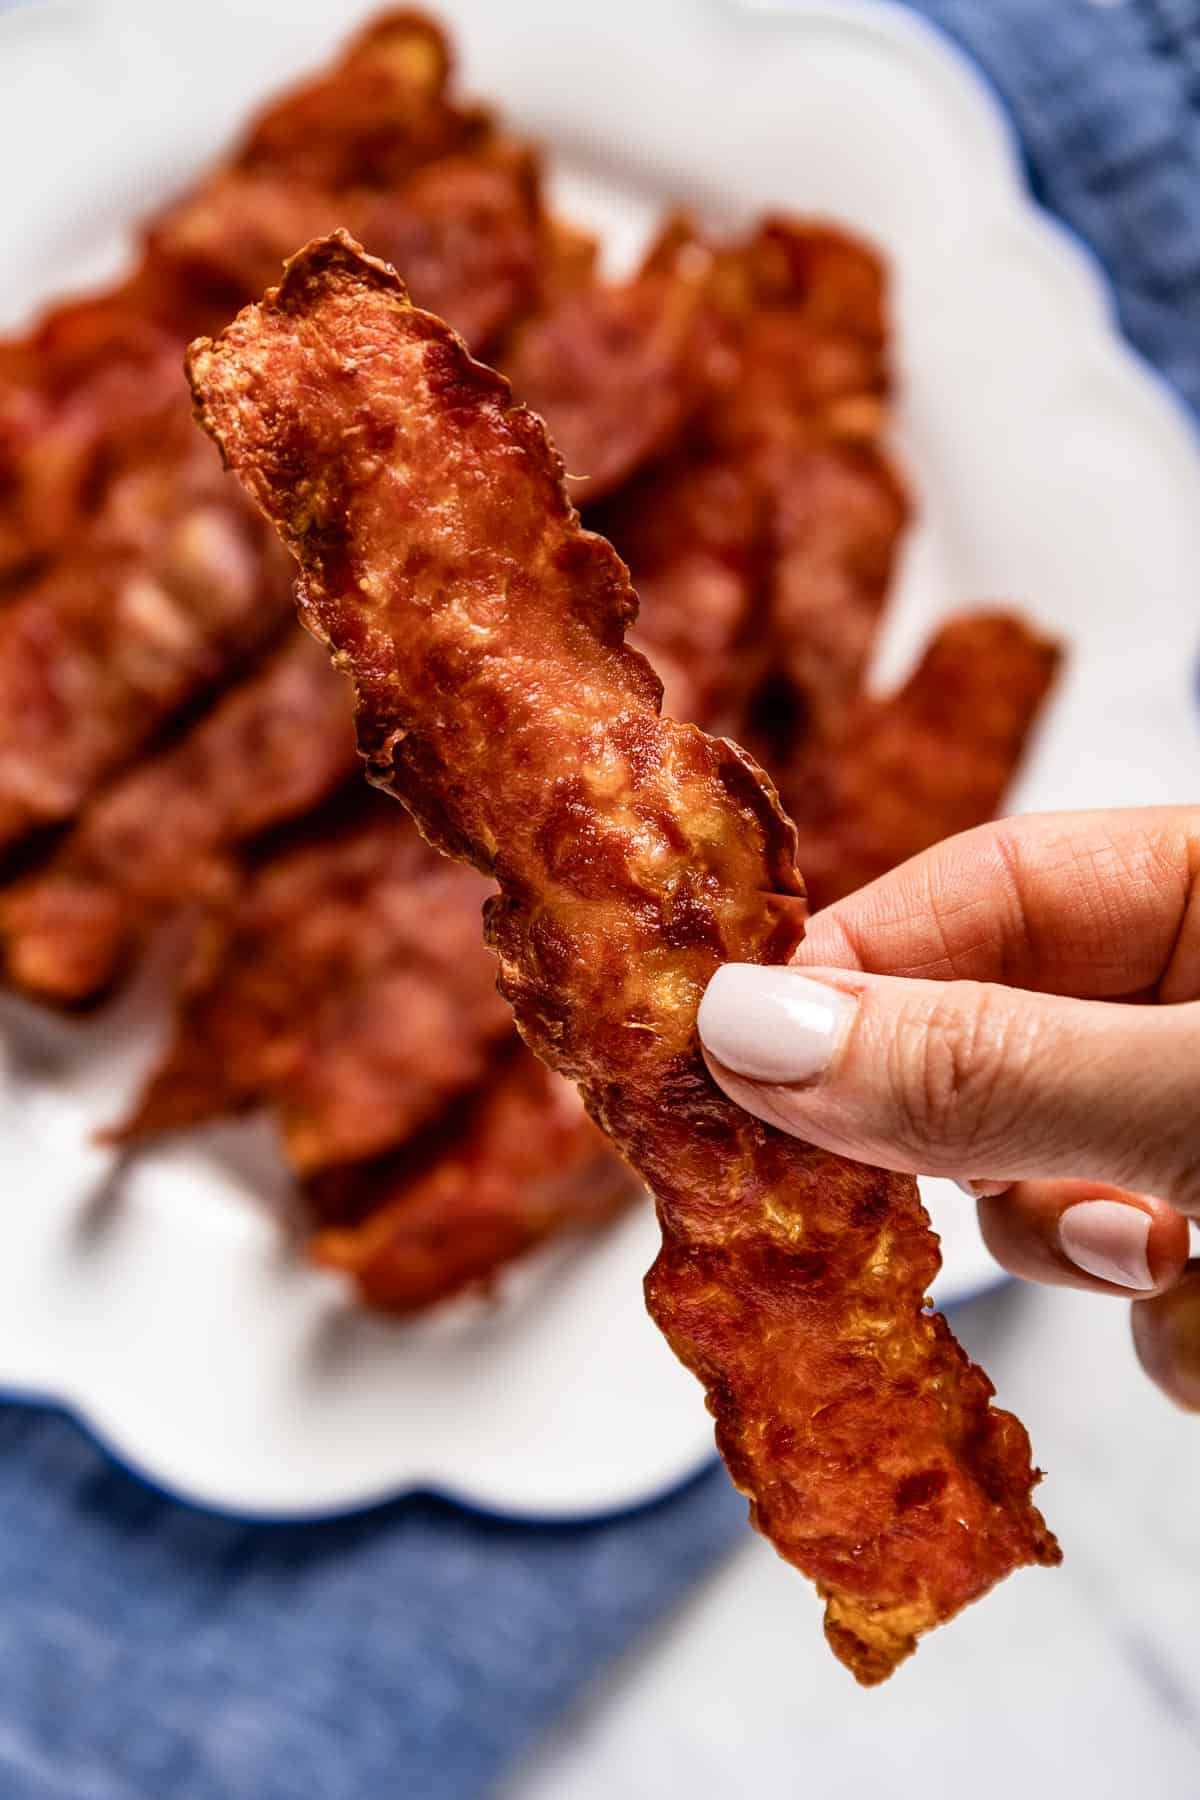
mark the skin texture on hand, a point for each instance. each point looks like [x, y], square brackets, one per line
[443, 563]
[1020, 1006]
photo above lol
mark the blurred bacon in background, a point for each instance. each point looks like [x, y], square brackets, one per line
[171, 747]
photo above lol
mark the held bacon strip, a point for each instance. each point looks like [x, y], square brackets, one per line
[274, 746]
[919, 765]
[446, 568]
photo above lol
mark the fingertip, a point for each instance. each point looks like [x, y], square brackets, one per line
[1086, 1235]
[1169, 1244]
[1166, 1336]
[771, 1025]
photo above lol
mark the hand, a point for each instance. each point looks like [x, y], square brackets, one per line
[1018, 1008]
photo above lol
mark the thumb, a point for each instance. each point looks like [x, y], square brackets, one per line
[963, 1078]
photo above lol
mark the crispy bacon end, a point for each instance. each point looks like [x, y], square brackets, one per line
[443, 563]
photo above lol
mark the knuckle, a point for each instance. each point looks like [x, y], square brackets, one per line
[952, 1070]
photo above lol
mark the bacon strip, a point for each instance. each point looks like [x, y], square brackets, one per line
[81, 394]
[313, 158]
[274, 746]
[518, 1162]
[176, 583]
[467, 228]
[444, 565]
[693, 531]
[806, 304]
[619, 370]
[155, 597]
[347, 988]
[378, 113]
[79, 398]
[933, 759]
[469, 232]
[764, 550]
[838, 517]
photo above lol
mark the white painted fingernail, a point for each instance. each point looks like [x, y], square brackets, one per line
[1108, 1239]
[772, 1024]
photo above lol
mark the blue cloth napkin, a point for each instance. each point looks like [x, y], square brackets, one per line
[1105, 97]
[147, 1651]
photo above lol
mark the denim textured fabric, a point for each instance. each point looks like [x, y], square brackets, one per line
[1105, 98]
[147, 1651]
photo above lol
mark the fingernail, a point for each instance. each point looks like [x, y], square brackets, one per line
[981, 1190]
[1108, 1239]
[772, 1024]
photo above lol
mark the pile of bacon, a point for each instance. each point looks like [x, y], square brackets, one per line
[172, 746]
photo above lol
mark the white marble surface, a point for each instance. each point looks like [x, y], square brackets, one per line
[1082, 1681]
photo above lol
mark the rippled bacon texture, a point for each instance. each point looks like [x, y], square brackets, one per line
[442, 562]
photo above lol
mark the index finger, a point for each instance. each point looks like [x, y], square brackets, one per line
[1098, 905]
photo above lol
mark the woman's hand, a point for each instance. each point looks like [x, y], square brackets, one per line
[1018, 1008]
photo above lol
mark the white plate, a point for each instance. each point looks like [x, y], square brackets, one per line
[160, 1305]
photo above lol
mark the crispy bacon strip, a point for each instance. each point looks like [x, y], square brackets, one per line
[807, 305]
[838, 516]
[617, 369]
[381, 110]
[314, 157]
[518, 1162]
[693, 530]
[444, 565]
[80, 396]
[762, 551]
[347, 988]
[274, 746]
[935, 758]
[468, 231]
[176, 582]
[792, 561]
